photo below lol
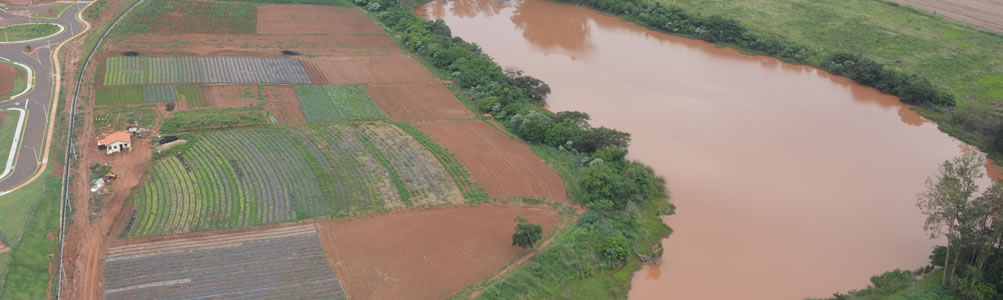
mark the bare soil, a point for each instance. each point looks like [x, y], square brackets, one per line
[231, 95]
[418, 101]
[985, 14]
[370, 69]
[284, 105]
[256, 45]
[6, 80]
[503, 165]
[310, 19]
[426, 254]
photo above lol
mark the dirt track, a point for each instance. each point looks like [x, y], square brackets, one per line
[985, 14]
[428, 254]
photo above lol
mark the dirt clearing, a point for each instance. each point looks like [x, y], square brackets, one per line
[284, 105]
[985, 14]
[427, 254]
[309, 19]
[372, 69]
[418, 101]
[504, 166]
[6, 80]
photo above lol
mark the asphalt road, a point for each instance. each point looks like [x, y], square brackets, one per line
[38, 101]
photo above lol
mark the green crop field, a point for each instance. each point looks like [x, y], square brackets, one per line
[260, 176]
[193, 95]
[119, 95]
[111, 118]
[174, 16]
[159, 93]
[337, 103]
[24, 32]
[196, 120]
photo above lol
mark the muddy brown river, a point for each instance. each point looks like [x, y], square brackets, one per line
[789, 182]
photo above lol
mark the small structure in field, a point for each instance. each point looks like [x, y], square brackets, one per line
[3, 247]
[116, 142]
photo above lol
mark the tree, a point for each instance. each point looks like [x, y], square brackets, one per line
[535, 89]
[998, 141]
[526, 234]
[949, 199]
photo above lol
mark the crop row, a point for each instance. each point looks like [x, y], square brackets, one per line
[171, 70]
[337, 103]
[250, 177]
[174, 16]
[283, 267]
[461, 176]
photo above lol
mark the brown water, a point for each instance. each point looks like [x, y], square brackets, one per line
[789, 182]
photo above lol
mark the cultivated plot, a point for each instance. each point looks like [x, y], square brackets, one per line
[283, 105]
[337, 103]
[418, 101]
[282, 263]
[505, 166]
[311, 19]
[251, 177]
[369, 69]
[167, 70]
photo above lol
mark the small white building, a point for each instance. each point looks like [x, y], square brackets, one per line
[116, 142]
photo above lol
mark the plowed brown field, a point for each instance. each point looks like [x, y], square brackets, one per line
[284, 105]
[256, 45]
[987, 14]
[428, 254]
[370, 69]
[504, 166]
[6, 80]
[231, 95]
[418, 101]
[300, 19]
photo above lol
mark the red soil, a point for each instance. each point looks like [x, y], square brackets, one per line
[370, 69]
[309, 19]
[255, 45]
[427, 254]
[6, 80]
[987, 14]
[503, 165]
[231, 95]
[418, 101]
[284, 105]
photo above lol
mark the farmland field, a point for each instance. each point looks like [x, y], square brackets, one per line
[505, 166]
[110, 118]
[337, 103]
[418, 101]
[302, 19]
[177, 16]
[192, 95]
[119, 95]
[281, 263]
[195, 120]
[167, 70]
[375, 69]
[161, 93]
[283, 104]
[250, 177]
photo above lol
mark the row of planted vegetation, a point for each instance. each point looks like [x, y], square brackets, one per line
[594, 258]
[910, 88]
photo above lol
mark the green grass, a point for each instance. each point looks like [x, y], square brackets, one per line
[20, 80]
[7, 131]
[24, 32]
[175, 16]
[119, 95]
[193, 95]
[27, 275]
[330, 103]
[205, 119]
[113, 118]
[54, 12]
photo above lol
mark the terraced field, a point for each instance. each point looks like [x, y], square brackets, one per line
[250, 177]
[283, 263]
[171, 70]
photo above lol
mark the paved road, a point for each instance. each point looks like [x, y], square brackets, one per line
[38, 101]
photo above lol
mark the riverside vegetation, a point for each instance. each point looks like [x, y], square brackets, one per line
[595, 257]
[961, 93]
